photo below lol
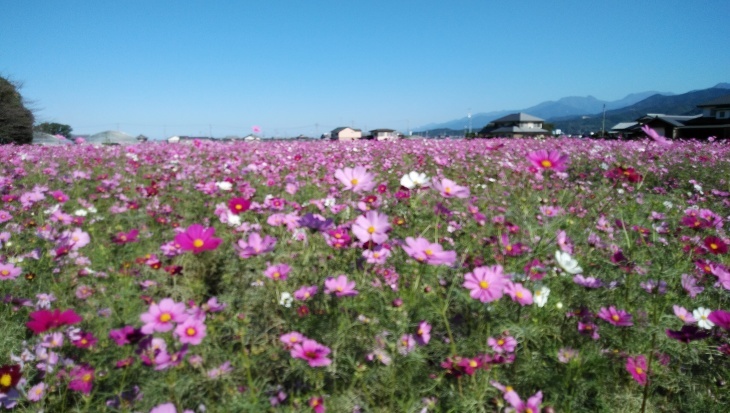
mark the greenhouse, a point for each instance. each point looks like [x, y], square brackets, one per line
[111, 138]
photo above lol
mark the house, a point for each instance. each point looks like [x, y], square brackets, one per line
[516, 125]
[715, 121]
[665, 125]
[384, 134]
[346, 134]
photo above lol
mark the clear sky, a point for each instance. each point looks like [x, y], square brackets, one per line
[166, 68]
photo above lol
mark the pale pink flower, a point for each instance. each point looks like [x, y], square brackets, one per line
[449, 189]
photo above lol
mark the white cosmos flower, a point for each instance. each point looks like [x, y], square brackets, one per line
[540, 296]
[224, 185]
[701, 315]
[568, 263]
[233, 219]
[286, 299]
[414, 179]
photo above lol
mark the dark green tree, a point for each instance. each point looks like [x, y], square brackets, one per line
[16, 121]
[54, 129]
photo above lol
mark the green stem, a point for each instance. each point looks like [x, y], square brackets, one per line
[648, 374]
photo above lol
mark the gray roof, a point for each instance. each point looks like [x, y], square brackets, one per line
[516, 129]
[383, 130]
[671, 119]
[721, 101]
[338, 130]
[624, 125]
[519, 117]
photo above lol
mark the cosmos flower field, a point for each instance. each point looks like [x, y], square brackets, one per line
[493, 275]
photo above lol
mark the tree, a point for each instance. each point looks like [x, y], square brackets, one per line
[54, 129]
[16, 121]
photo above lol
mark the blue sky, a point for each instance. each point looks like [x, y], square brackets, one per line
[167, 68]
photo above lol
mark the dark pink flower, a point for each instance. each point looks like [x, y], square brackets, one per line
[197, 239]
[317, 404]
[616, 317]
[715, 245]
[311, 351]
[82, 379]
[720, 318]
[636, 366]
[239, 205]
[43, 320]
[549, 160]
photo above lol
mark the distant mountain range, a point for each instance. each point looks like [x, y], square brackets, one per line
[575, 114]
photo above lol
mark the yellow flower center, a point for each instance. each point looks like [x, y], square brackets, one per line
[306, 295]
[338, 289]
[639, 370]
[508, 248]
[165, 317]
[198, 243]
[483, 284]
[519, 294]
[86, 377]
[473, 363]
[277, 275]
[713, 246]
[190, 331]
[508, 389]
[371, 229]
[500, 342]
[529, 410]
[546, 164]
[615, 317]
[293, 339]
[5, 272]
[447, 190]
[6, 380]
[353, 181]
[428, 252]
[239, 207]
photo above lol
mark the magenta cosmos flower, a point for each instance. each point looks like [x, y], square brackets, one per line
[311, 351]
[423, 335]
[356, 179]
[371, 227]
[486, 283]
[82, 379]
[191, 331]
[44, 320]
[424, 251]
[449, 189]
[159, 317]
[616, 317]
[720, 318]
[506, 344]
[636, 366]
[291, 339]
[239, 205]
[340, 286]
[549, 160]
[197, 239]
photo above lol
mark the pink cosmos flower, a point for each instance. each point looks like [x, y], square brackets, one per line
[291, 339]
[313, 352]
[340, 286]
[5, 216]
[378, 255]
[159, 317]
[317, 404]
[9, 272]
[356, 179]
[655, 136]
[424, 251]
[486, 283]
[616, 317]
[406, 344]
[423, 335]
[518, 293]
[37, 392]
[715, 245]
[255, 245]
[239, 205]
[197, 239]
[191, 331]
[278, 272]
[532, 404]
[549, 160]
[449, 189]
[636, 366]
[371, 227]
[505, 344]
[82, 379]
[305, 292]
[684, 315]
[76, 238]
